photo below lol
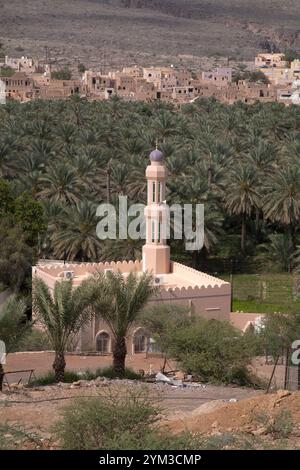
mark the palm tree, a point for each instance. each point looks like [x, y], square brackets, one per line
[60, 184]
[119, 301]
[16, 256]
[261, 156]
[4, 152]
[165, 125]
[74, 236]
[62, 315]
[277, 254]
[281, 201]
[119, 178]
[241, 195]
[114, 250]
[13, 327]
[66, 134]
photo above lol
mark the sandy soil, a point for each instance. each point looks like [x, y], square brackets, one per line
[38, 408]
[243, 416]
[205, 409]
[41, 362]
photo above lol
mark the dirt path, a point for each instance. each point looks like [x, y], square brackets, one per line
[38, 409]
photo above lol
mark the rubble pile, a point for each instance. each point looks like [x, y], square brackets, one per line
[252, 415]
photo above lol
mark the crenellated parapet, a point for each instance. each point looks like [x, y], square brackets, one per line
[196, 277]
[85, 269]
[169, 293]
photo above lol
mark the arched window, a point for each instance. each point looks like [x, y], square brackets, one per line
[103, 342]
[153, 192]
[140, 341]
[159, 192]
[153, 236]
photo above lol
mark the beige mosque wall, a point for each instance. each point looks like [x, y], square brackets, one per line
[181, 285]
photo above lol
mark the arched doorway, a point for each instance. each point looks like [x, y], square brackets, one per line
[140, 341]
[103, 342]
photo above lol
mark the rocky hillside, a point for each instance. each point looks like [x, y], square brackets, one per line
[113, 32]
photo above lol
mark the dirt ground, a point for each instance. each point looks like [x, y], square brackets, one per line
[103, 36]
[39, 408]
[245, 416]
[41, 362]
[206, 409]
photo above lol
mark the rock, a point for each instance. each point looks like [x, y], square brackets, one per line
[215, 424]
[16, 386]
[248, 428]
[100, 379]
[282, 393]
[259, 432]
[105, 383]
[180, 375]
[13, 385]
[78, 383]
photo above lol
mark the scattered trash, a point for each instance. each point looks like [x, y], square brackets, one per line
[160, 377]
[175, 383]
[195, 385]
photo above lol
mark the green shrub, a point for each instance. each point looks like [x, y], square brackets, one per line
[110, 373]
[213, 351]
[121, 420]
[129, 420]
[114, 421]
[244, 378]
[63, 74]
[13, 437]
[280, 425]
[35, 340]
[72, 376]
[7, 71]
[49, 378]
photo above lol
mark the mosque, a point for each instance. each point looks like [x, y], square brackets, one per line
[202, 294]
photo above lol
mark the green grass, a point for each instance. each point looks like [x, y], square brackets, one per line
[265, 293]
[251, 306]
[72, 376]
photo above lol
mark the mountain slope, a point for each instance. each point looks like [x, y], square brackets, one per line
[113, 32]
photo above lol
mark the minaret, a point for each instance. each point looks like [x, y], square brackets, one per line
[156, 252]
